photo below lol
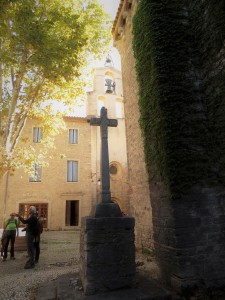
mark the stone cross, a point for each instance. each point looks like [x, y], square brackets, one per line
[104, 123]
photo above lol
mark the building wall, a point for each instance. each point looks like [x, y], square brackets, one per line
[54, 190]
[188, 227]
[138, 178]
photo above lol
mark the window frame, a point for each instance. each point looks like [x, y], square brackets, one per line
[37, 135]
[38, 174]
[73, 136]
[74, 177]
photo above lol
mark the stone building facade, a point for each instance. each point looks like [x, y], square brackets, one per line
[138, 177]
[188, 231]
[69, 188]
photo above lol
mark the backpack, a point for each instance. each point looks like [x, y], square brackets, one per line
[9, 221]
[38, 228]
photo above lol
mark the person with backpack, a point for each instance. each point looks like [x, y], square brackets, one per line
[39, 231]
[31, 233]
[9, 235]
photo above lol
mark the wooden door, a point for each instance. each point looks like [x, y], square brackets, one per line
[42, 210]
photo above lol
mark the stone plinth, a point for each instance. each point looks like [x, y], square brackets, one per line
[107, 254]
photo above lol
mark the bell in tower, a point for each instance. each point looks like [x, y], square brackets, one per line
[110, 86]
[109, 61]
[109, 80]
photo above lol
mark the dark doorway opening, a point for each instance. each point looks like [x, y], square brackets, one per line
[72, 213]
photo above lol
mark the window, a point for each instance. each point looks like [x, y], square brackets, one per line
[119, 108]
[72, 171]
[113, 169]
[101, 103]
[72, 213]
[37, 171]
[37, 134]
[73, 136]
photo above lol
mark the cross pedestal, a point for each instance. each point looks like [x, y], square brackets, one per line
[107, 254]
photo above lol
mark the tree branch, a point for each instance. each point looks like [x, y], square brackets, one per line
[1, 88]
[18, 125]
[15, 94]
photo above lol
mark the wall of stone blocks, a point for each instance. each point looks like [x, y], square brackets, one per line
[189, 232]
[138, 179]
[107, 254]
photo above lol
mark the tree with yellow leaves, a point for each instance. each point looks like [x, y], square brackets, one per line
[44, 46]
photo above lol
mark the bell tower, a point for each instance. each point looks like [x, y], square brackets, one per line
[107, 91]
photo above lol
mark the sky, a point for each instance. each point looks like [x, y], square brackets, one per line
[111, 7]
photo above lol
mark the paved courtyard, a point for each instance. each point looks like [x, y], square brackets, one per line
[59, 256]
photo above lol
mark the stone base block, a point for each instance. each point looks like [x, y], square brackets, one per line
[107, 254]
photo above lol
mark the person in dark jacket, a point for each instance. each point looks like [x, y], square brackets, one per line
[37, 240]
[31, 223]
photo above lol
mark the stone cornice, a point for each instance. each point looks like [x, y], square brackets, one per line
[123, 18]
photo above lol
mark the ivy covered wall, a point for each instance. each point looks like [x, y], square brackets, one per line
[180, 65]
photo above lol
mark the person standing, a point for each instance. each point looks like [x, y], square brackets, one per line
[37, 239]
[30, 234]
[10, 231]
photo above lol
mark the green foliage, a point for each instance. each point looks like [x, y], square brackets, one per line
[45, 46]
[148, 252]
[180, 71]
[54, 36]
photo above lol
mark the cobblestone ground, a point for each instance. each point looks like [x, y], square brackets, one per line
[59, 255]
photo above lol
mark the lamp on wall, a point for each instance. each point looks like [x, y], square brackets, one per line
[92, 176]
